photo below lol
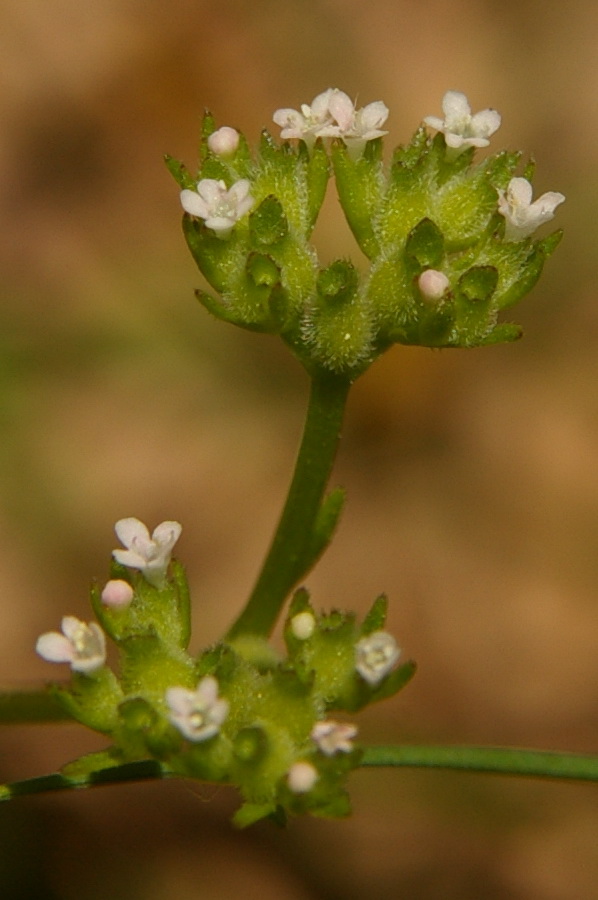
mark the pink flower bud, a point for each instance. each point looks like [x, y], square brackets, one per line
[117, 594]
[224, 142]
[433, 284]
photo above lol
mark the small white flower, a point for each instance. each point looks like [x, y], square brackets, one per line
[117, 594]
[460, 128]
[375, 655]
[433, 284]
[333, 737]
[303, 625]
[306, 125]
[151, 555]
[197, 714]
[522, 217]
[301, 777]
[224, 141]
[82, 646]
[220, 208]
[356, 126]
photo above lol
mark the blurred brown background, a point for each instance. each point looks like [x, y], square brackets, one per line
[472, 477]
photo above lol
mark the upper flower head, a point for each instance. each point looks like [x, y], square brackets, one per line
[522, 217]
[333, 737]
[333, 114]
[224, 141]
[197, 714]
[220, 208]
[81, 645]
[375, 655]
[150, 555]
[460, 128]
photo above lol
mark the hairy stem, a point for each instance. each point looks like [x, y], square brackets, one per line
[499, 760]
[290, 554]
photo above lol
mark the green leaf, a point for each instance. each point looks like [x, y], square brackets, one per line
[338, 282]
[268, 224]
[359, 187]
[253, 812]
[376, 618]
[478, 284]
[425, 245]
[505, 333]
[180, 173]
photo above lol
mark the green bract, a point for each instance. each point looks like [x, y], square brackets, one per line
[431, 209]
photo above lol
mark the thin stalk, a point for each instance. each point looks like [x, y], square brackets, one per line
[499, 760]
[289, 556]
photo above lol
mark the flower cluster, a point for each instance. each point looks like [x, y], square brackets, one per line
[333, 114]
[235, 714]
[450, 241]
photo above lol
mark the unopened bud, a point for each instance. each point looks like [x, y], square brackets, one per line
[224, 142]
[433, 284]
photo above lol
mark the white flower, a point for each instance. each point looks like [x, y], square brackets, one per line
[306, 125]
[303, 625]
[356, 126]
[117, 594]
[150, 555]
[460, 128]
[333, 737]
[333, 114]
[301, 777]
[433, 284]
[224, 141]
[375, 655]
[81, 645]
[522, 217]
[220, 208]
[197, 714]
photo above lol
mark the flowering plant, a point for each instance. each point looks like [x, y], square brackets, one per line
[450, 246]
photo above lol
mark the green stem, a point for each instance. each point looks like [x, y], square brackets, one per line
[34, 707]
[290, 553]
[499, 760]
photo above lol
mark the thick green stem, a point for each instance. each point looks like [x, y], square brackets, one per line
[290, 554]
[500, 760]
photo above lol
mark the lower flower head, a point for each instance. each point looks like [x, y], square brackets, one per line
[81, 645]
[197, 714]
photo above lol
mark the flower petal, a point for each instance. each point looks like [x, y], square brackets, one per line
[54, 647]
[130, 530]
